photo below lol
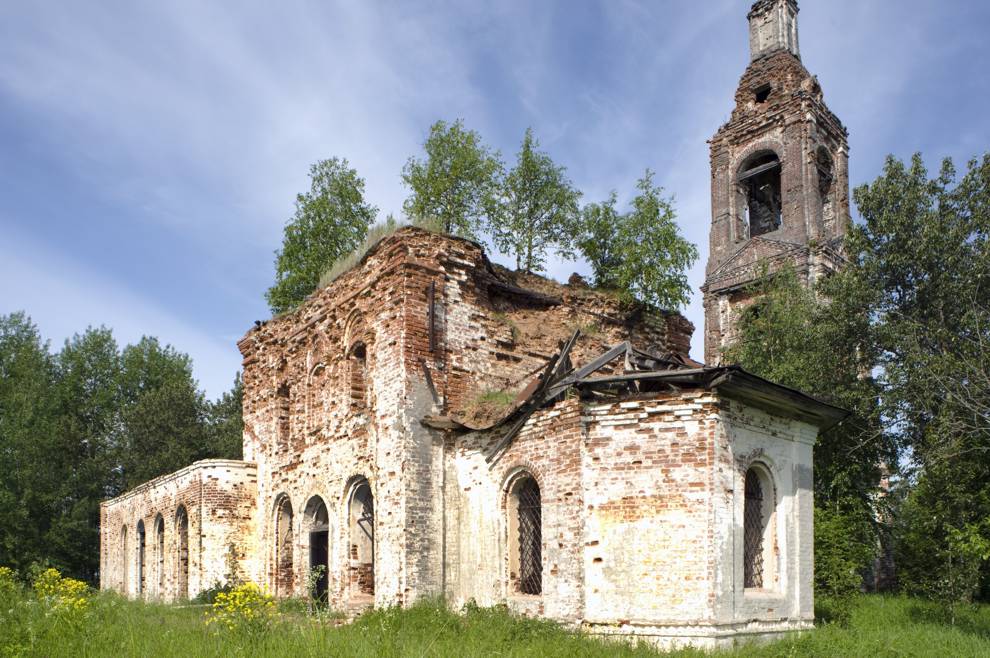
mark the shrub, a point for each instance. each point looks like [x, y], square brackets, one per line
[246, 609]
[209, 595]
[8, 581]
[66, 599]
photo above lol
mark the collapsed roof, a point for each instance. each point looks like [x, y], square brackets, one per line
[641, 373]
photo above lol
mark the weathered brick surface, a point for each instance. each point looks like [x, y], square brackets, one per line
[794, 124]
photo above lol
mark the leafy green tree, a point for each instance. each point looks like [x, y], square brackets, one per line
[598, 241]
[640, 253]
[83, 445]
[28, 477]
[86, 424]
[898, 337]
[164, 419]
[922, 256]
[226, 422]
[331, 220]
[537, 209]
[457, 184]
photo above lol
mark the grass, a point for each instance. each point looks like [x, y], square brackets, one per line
[505, 320]
[375, 235]
[112, 626]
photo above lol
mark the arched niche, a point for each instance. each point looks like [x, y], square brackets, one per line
[361, 539]
[182, 552]
[284, 567]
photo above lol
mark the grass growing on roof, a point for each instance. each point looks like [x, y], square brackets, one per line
[376, 234]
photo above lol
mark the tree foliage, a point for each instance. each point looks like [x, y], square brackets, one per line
[537, 209]
[597, 241]
[640, 253]
[330, 221]
[922, 256]
[85, 424]
[457, 184]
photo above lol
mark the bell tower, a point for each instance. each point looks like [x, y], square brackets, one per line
[780, 185]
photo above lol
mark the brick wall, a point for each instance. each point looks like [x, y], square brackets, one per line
[219, 499]
[642, 517]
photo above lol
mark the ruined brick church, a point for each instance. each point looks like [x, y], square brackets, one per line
[432, 424]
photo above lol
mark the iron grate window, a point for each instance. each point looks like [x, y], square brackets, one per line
[530, 538]
[753, 531]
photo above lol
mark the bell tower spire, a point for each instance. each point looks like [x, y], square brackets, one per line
[780, 187]
[773, 27]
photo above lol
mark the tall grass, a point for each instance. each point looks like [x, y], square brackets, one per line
[376, 234]
[119, 628]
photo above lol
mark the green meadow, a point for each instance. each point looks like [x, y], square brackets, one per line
[108, 625]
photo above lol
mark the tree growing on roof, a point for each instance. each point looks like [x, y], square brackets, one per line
[537, 209]
[640, 253]
[330, 221]
[454, 188]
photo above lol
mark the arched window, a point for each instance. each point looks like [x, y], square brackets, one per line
[182, 551]
[358, 370]
[759, 182]
[758, 516]
[283, 548]
[125, 559]
[361, 519]
[140, 557]
[160, 552]
[525, 536]
[317, 522]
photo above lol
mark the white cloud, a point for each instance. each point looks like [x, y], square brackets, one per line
[63, 297]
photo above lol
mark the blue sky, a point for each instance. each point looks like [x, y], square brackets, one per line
[150, 152]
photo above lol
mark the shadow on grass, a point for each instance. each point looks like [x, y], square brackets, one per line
[970, 619]
[834, 610]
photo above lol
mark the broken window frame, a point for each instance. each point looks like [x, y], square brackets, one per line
[124, 559]
[762, 93]
[317, 535]
[160, 552]
[142, 546]
[357, 380]
[182, 551]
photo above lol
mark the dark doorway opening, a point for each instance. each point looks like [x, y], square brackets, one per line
[319, 556]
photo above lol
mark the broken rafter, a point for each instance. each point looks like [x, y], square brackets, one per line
[756, 171]
[557, 366]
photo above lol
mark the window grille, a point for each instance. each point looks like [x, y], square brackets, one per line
[753, 525]
[530, 538]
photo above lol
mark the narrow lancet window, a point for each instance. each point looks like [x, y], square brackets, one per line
[526, 536]
[757, 524]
